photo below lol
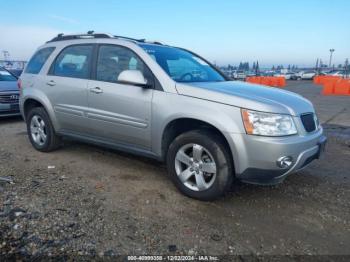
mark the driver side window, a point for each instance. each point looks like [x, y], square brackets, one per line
[112, 60]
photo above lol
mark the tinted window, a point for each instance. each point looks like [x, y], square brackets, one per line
[112, 60]
[38, 60]
[73, 61]
[6, 76]
[181, 65]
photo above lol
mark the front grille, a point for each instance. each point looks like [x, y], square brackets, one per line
[9, 98]
[309, 122]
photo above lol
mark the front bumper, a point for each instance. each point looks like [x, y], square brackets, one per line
[7, 110]
[255, 156]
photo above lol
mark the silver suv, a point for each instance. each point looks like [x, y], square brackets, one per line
[169, 104]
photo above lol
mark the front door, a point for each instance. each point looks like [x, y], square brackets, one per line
[119, 112]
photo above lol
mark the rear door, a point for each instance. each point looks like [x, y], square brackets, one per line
[66, 87]
[119, 112]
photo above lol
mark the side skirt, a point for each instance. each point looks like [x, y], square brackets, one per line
[109, 144]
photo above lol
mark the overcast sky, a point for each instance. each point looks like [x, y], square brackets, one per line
[224, 31]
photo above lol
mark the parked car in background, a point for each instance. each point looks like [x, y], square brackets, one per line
[306, 75]
[170, 104]
[9, 94]
[251, 73]
[294, 76]
[16, 72]
[228, 73]
[268, 73]
[287, 75]
[239, 74]
[337, 73]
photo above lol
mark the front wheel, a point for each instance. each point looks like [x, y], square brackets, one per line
[200, 165]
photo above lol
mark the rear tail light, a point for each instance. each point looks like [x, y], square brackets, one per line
[19, 83]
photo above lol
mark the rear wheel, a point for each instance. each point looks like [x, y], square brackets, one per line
[200, 165]
[40, 131]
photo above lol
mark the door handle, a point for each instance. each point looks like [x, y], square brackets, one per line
[51, 83]
[96, 90]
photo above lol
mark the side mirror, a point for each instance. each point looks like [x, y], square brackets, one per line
[133, 77]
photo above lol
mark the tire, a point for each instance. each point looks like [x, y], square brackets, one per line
[39, 126]
[213, 152]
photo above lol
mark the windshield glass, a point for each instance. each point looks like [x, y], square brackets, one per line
[181, 65]
[6, 76]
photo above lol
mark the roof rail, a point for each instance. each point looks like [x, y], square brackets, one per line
[89, 34]
[92, 34]
[138, 40]
[129, 38]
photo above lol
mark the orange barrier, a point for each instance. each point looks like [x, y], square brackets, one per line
[281, 81]
[252, 79]
[337, 87]
[321, 80]
[329, 78]
[328, 88]
[317, 80]
[274, 81]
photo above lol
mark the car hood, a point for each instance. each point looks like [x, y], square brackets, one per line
[250, 96]
[8, 86]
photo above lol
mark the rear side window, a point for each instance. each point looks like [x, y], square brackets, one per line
[38, 60]
[73, 61]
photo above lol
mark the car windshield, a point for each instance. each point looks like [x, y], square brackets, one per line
[6, 76]
[181, 65]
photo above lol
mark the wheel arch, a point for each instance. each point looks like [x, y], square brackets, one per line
[179, 126]
[32, 102]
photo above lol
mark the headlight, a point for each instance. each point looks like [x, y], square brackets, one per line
[267, 124]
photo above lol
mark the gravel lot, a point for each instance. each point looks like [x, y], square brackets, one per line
[85, 200]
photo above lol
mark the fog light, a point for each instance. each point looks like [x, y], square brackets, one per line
[284, 161]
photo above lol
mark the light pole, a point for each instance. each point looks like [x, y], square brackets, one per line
[331, 55]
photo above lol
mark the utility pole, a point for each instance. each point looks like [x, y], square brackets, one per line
[330, 57]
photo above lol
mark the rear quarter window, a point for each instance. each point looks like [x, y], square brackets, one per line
[38, 60]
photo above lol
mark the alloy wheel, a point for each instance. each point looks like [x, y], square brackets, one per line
[38, 130]
[195, 167]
